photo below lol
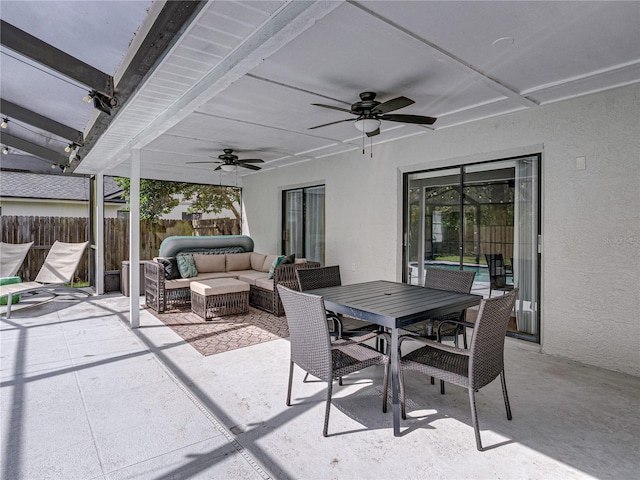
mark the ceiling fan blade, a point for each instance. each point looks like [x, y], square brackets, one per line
[250, 160]
[374, 133]
[419, 119]
[332, 123]
[207, 161]
[394, 104]
[249, 166]
[340, 109]
[219, 167]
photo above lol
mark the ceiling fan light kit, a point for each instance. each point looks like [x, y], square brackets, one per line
[367, 125]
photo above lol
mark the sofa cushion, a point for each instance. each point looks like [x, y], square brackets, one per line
[186, 266]
[268, 261]
[275, 264]
[238, 261]
[250, 276]
[300, 260]
[170, 266]
[257, 261]
[185, 282]
[219, 286]
[265, 283]
[209, 263]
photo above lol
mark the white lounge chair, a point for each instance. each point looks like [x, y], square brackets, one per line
[58, 270]
[12, 256]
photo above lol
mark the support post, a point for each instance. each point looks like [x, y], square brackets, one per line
[99, 232]
[134, 240]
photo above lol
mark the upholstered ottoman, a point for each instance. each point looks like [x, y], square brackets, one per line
[220, 296]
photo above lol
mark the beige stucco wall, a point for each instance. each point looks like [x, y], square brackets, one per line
[590, 309]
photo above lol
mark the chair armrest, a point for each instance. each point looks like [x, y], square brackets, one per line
[155, 271]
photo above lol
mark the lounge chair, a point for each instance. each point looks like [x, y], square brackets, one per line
[57, 271]
[12, 256]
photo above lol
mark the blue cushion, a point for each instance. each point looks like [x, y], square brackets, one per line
[275, 263]
[186, 266]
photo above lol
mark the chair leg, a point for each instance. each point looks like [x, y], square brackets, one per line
[403, 409]
[326, 414]
[474, 418]
[385, 386]
[290, 382]
[504, 394]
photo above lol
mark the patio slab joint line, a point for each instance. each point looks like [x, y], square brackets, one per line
[214, 421]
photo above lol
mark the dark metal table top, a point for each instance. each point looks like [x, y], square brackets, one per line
[393, 304]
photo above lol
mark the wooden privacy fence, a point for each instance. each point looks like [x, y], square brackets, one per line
[44, 231]
[478, 241]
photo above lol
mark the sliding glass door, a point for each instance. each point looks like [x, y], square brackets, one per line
[462, 217]
[303, 223]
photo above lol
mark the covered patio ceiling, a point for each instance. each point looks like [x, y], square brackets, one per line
[244, 75]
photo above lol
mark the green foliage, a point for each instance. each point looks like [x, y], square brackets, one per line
[159, 197]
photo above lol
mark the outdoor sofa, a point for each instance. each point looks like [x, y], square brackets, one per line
[168, 277]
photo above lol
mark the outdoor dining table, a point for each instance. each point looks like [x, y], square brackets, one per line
[393, 305]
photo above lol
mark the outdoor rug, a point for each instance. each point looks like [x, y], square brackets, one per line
[222, 334]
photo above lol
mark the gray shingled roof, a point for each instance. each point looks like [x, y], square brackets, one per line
[51, 187]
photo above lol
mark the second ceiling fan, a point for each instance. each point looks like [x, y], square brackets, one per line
[370, 112]
[229, 161]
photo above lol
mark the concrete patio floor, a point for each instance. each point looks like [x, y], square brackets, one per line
[85, 397]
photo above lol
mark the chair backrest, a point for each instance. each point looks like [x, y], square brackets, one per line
[486, 359]
[451, 280]
[308, 332]
[61, 262]
[497, 270]
[12, 256]
[320, 277]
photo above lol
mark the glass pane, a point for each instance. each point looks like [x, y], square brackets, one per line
[433, 223]
[294, 223]
[315, 219]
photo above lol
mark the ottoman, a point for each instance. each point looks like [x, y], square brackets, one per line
[218, 297]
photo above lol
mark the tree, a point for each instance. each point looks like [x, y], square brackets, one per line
[159, 197]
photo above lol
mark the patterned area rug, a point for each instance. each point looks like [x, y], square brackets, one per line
[222, 334]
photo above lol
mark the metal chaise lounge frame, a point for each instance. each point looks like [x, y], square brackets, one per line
[57, 271]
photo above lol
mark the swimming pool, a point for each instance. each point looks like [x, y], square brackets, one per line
[482, 273]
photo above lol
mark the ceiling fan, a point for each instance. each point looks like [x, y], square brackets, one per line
[370, 112]
[229, 161]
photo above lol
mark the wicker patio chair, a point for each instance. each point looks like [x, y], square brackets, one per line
[498, 273]
[12, 256]
[473, 368]
[447, 325]
[57, 271]
[311, 346]
[321, 277]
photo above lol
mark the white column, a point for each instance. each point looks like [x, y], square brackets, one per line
[134, 240]
[99, 231]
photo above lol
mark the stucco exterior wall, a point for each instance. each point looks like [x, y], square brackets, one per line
[590, 307]
[40, 208]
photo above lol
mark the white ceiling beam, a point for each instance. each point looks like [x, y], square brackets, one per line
[289, 22]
